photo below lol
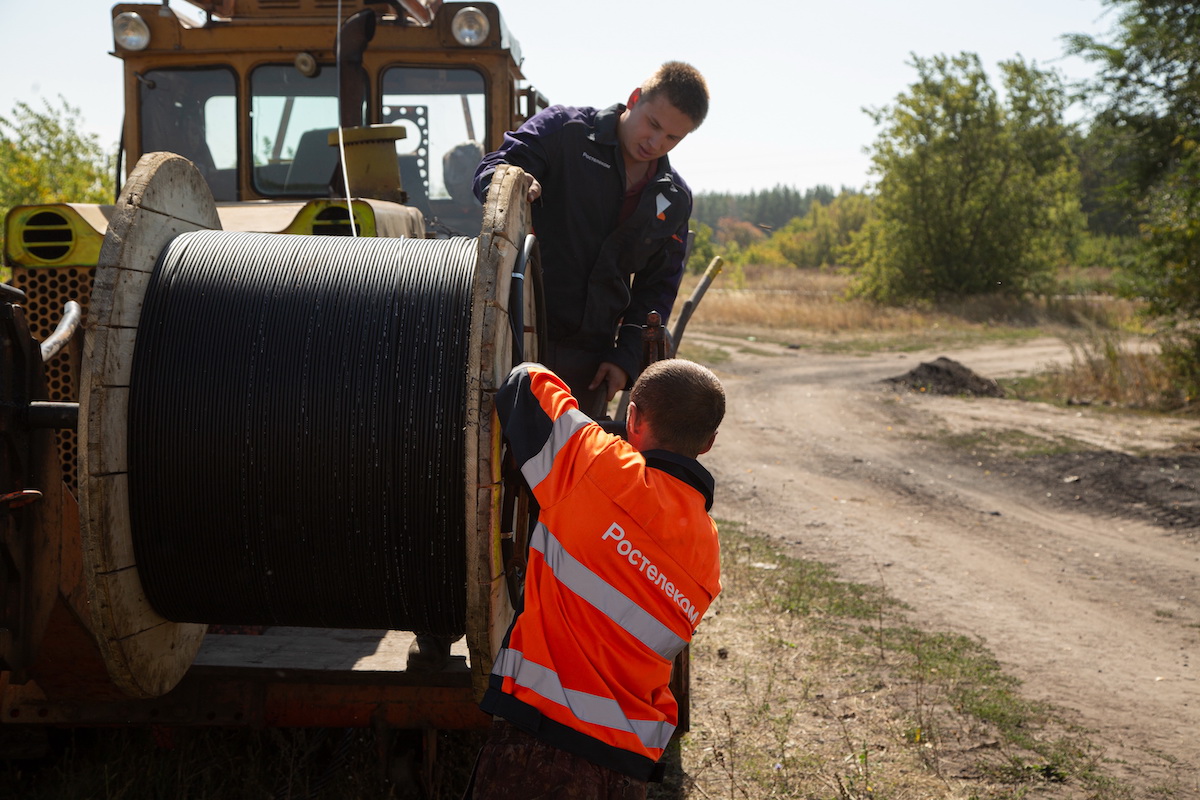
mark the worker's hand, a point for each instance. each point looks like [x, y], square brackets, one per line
[610, 374]
[533, 189]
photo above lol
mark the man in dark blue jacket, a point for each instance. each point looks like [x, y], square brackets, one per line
[611, 217]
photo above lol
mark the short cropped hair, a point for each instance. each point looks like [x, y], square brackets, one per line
[682, 402]
[682, 85]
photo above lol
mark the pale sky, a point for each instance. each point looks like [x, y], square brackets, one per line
[788, 78]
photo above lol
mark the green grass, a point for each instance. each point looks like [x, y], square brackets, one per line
[933, 702]
[807, 588]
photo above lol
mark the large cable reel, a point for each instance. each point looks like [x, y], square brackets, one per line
[294, 430]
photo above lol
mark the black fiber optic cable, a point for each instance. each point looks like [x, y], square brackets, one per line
[296, 421]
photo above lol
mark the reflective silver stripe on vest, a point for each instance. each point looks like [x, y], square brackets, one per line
[538, 467]
[589, 708]
[632, 618]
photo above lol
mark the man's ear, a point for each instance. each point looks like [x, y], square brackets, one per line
[634, 96]
[709, 444]
[633, 418]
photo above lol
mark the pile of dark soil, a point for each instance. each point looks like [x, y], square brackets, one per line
[946, 376]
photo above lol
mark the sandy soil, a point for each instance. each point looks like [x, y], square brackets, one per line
[1080, 570]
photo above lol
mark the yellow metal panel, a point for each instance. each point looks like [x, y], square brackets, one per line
[328, 217]
[53, 235]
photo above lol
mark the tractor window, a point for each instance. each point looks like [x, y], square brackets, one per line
[193, 112]
[291, 117]
[443, 113]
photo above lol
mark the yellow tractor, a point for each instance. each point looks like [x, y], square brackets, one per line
[249, 443]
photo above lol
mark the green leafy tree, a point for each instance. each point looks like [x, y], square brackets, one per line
[46, 157]
[703, 249]
[1148, 93]
[975, 194]
[732, 230]
[817, 239]
[1148, 87]
[1105, 198]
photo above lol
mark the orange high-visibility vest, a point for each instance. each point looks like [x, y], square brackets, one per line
[623, 563]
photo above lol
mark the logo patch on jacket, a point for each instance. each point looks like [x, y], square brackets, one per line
[595, 160]
[661, 206]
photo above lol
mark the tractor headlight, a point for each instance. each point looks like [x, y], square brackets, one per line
[131, 31]
[470, 26]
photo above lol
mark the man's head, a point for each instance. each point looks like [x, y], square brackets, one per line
[683, 87]
[676, 405]
[662, 111]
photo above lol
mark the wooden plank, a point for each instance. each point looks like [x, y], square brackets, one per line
[145, 654]
[154, 659]
[293, 650]
[128, 288]
[137, 238]
[171, 186]
[105, 446]
[123, 605]
[108, 508]
[114, 361]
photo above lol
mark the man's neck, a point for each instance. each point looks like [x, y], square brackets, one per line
[636, 171]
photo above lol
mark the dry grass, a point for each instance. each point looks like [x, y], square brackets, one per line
[1107, 368]
[775, 298]
[1115, 361]
[810, 306]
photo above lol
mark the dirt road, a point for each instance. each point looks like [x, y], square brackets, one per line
[1080, 570]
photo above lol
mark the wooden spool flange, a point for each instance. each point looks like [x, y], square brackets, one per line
[506, 222]
[145, 654]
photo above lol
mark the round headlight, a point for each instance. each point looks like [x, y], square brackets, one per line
[131, 31]
[470, 26]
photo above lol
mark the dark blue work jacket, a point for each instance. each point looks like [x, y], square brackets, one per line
[597, 273]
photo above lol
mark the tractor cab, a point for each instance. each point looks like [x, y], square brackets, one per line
[254, 94]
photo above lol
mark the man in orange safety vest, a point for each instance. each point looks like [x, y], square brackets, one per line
[623, 562]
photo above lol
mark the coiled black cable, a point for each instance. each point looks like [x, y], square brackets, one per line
[296, 431]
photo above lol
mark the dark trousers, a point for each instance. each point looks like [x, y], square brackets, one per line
[577, 368]
[514, 765]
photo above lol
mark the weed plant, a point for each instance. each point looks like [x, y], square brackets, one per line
[1107, 368]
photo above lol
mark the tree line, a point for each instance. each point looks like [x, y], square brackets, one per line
[768, 209]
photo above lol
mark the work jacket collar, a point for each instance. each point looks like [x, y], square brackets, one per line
[604, 131]
[685, 469]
